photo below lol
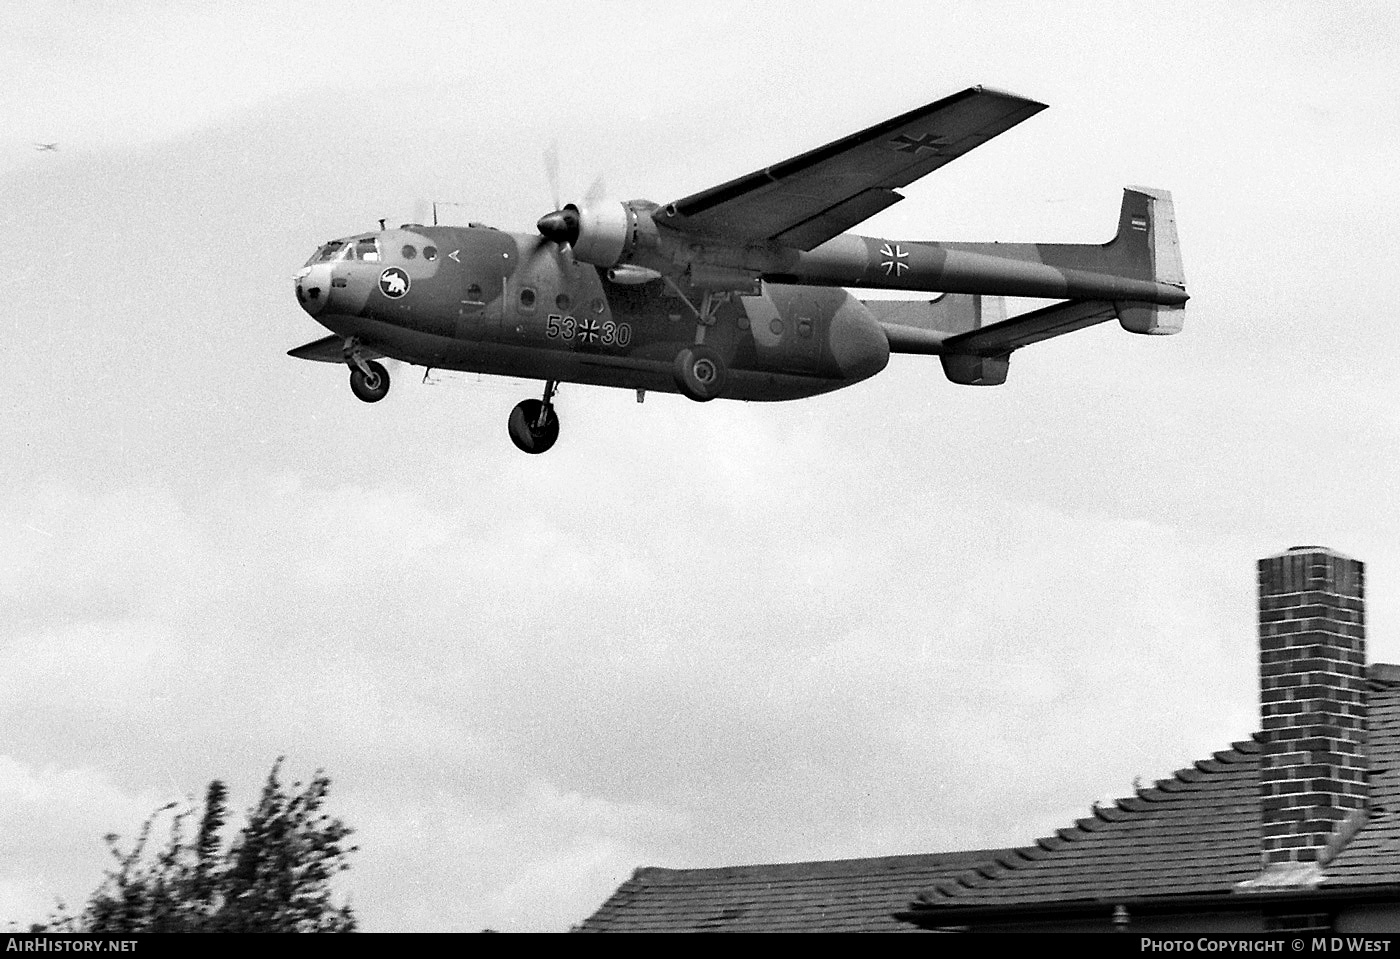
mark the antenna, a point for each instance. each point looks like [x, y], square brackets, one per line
[381, 223]
[437, 203]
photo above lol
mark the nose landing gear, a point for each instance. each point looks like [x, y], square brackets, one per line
[369, 380]
[533, 424]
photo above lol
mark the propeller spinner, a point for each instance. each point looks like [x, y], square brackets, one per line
[561, 226]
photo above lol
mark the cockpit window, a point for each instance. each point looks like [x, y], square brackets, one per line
[367, 249]
[326, 253]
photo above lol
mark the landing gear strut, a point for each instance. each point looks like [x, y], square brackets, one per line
[533, 424]
[699, 371]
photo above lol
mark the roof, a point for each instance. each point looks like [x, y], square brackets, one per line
[1194, 834]
[1191, 837]
[844, 895]
[1373, 855]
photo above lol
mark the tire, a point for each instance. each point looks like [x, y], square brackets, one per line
[371, 388]
[525, 434]
[700, 373]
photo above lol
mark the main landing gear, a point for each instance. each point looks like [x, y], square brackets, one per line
[699, 370]
[533, 424]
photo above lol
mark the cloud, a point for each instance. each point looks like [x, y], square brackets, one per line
[55, 818]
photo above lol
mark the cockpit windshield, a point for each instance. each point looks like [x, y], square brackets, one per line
[327, 252]
[363, 248]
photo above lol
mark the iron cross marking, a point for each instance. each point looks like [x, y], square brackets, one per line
[894, 260]
[904, 143]
[588, 330]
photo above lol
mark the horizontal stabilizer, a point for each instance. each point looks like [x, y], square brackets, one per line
[921, 326]
[330, 349]
[979, 357]
[1031, 328]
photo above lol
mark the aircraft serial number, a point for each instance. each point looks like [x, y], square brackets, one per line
[587, 330]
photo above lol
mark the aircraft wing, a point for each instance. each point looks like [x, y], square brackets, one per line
[807, 200]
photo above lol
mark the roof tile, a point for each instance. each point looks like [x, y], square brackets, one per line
[1196, 832]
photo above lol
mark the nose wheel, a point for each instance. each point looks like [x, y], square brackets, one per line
[533, 424]
[369, 381]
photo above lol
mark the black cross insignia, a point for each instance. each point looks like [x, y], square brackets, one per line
[904, 143]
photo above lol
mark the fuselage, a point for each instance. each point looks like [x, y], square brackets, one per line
[482, 300]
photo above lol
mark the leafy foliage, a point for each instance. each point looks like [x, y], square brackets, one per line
[275, 876]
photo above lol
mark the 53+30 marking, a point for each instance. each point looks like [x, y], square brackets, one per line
[587, 330]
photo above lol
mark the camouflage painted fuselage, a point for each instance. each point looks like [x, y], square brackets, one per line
[485, 301]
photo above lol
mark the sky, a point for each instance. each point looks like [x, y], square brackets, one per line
[905, 617]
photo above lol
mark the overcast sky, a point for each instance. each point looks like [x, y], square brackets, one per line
[906, 617]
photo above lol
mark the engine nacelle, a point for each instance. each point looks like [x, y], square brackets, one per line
[604, 233]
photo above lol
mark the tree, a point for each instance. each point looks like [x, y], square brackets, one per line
[276, 875]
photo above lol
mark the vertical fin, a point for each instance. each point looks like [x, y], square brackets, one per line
[1163, 246]
[1147, 235]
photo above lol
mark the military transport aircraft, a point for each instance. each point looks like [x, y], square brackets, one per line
[739, 291]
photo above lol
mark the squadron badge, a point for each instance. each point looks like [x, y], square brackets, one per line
[393, 283]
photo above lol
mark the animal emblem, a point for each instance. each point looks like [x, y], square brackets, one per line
[394, 282]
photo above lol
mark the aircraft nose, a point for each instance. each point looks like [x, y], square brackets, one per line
[313, 287]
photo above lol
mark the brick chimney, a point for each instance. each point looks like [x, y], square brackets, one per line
[1312, 681]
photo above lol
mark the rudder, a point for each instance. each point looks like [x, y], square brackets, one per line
[1148, 237]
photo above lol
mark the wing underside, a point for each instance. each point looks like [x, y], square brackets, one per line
[807, 200]
[330, 349]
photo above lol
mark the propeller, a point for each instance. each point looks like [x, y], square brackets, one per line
[562, 226]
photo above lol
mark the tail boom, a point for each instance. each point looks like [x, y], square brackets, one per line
[1141, 264]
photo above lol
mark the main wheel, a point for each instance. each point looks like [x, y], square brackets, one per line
[526, 430]
[700, 373]
[372, 387]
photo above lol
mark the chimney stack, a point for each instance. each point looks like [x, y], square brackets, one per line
[1312, 679]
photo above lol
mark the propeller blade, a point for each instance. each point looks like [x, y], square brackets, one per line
[551, 171]
[597, 191]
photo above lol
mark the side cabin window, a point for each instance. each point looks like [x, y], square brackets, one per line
[430, 253]
[409, 251]
[474, 293]
[367, 250]
[527, 299]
